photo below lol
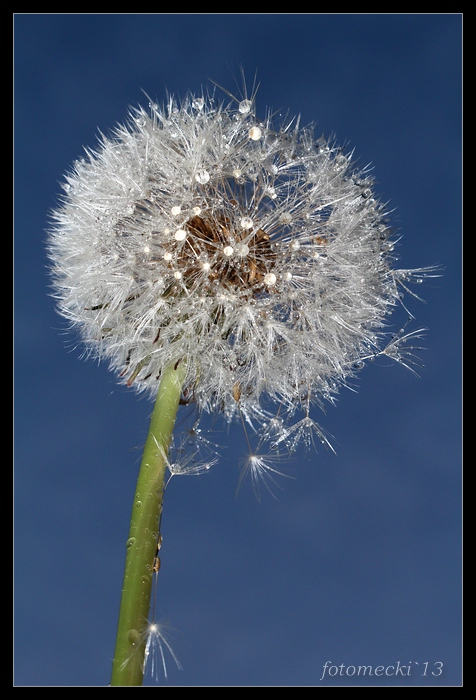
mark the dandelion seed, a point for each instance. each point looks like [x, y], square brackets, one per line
[156, 646]
[155, 636]
[259, 469]
[305, 431]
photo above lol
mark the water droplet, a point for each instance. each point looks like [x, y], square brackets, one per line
[202, 176]
[228, 250]
[175, 211]
[180, 235]
[138, 504]
[271, 192]
[269, 279]
[198, 103]
[130, 542]
[255, 133]
[245, 106]
[133, 637]
[246, 222]
[242, 249]
[286, 218]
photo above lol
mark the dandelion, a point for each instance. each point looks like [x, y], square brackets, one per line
[162, 253]
[218, 259]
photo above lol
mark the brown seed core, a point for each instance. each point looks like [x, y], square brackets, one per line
[209, 236]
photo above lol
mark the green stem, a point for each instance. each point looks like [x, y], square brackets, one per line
[127, 668]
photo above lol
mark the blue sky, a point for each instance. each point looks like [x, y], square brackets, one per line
[356, 561]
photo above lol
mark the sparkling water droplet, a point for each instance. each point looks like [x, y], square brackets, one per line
[242, 249]
[245, 106]
[130, 542]
[202, 176]
[246, 222]
[270, 279]
[255, 133]
[198, 103]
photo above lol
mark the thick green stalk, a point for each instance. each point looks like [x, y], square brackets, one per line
[128, 660]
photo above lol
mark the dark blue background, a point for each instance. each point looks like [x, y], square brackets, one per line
[357, 560]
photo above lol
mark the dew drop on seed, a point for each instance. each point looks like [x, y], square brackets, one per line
[202, 177]
[245, 106]
[242, 249]
[198, 103]
[246, 222]
[254, 133]
[269, 279]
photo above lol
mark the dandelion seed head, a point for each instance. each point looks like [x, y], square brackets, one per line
[258, 254]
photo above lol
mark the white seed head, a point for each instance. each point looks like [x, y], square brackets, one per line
[287, 208]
